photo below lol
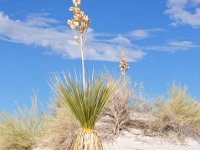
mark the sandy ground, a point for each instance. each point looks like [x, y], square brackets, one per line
[138, 142]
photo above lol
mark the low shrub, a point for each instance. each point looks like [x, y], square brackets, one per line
[21, 131]
[178, 115]
[60, 128]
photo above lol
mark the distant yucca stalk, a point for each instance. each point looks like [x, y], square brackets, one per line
[79, 23]
[123, 64]
[86, 104]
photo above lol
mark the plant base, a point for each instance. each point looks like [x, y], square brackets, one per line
[88, 140]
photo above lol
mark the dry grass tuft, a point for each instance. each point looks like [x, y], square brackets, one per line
[176, 118]
[140, 108]
[116, 114]
[139, 100]
[20, 131]
[60, 128]
[127, 109]
[179, 115]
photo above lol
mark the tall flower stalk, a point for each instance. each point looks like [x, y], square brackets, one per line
[79, 25]
[86, 101]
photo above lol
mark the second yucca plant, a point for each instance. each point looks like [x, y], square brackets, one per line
[86, 104]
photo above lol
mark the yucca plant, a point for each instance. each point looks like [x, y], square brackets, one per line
[86, 104]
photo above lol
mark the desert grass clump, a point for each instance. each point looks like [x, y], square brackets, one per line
[140, 109]
[60, 128]
[116, 114]
[21, 131]
[140, 101]
[179, 115]
[86, 103]
[126, 109]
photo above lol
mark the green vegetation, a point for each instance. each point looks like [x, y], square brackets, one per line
[103, 105]
[179, 114]
[20, 132]
[86, 104]
[60, 128]
[78, 113]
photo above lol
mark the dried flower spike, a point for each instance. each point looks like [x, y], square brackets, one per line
[77, 3]
[80, 21]
[123, 63]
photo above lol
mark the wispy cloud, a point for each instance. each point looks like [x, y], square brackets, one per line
[40, 20]
[172, 46]
[144, 33]
[39, 31]
[180, 14]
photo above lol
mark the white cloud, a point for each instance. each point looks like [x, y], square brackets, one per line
[38, 30]
[179, 12]
[120, 40]
[144, 33]
[40, 20]
[182, 44]
[172, 46]
[140, 34]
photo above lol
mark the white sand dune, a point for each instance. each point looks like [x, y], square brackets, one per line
[137, 142]
[131, 141]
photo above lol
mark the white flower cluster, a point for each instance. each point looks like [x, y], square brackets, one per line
[80, 21]
[123, 64]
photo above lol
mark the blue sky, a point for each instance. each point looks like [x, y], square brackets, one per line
[161, 39]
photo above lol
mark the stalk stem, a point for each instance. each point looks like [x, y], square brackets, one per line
[82, 56]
